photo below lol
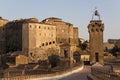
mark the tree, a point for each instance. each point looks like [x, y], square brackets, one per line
[83, 46]
[115, 50]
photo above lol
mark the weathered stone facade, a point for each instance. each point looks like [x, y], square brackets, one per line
[21, 59]
[36, 39]
[96, 28]
[65, 32]
[75, 36]
[13, 34]
[2, 34]
[50, 33]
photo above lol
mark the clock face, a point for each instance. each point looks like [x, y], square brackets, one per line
[63, 30]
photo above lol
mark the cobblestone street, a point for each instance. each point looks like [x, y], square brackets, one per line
[82, 75]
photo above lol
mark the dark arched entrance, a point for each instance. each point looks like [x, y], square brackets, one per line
[76, 56]
[54, 60]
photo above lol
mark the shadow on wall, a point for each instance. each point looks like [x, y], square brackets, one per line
[54, 60]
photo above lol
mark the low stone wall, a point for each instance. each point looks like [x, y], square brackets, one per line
[46, 76]
[92, 77]
[102, 74]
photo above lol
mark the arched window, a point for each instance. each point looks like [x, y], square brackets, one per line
[49, 43]
[53, 42]
[92, 30]
[39, 27]
[46, 43]
[99, 25]
[101, 29]
[42, 44]
[97, 30]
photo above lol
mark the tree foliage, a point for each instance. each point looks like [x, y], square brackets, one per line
[115, 50]
[83, 46]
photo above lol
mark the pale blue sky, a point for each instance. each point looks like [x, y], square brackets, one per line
[77, 12]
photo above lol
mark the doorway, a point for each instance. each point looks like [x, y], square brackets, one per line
[65, 54]
[76, 56]
[97, 57]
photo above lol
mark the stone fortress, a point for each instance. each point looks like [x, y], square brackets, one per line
[2, 38]
[33, 49]
[38, 40]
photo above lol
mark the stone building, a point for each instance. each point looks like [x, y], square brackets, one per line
[114, 41]
[13, 34]
[108, 46]
[96, 28]
[66, 37]
[36, 39]
[65, 32]
[52, 32]
[2, 33]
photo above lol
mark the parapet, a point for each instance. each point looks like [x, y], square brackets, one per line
[25, 20]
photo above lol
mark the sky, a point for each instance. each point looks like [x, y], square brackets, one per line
[77, 12]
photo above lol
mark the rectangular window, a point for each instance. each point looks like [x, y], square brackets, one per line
[39, 27]
[30, 26]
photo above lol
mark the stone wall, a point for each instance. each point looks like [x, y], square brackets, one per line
[50, 33]
[33, 38]
[13, 34]
[96, 28]
[37, 38]
[2, 34]
[21, 59]
[75, 36]
[64, 30]
[59, 75]
[103, 73]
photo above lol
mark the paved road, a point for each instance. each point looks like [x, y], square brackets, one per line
[82, 75]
